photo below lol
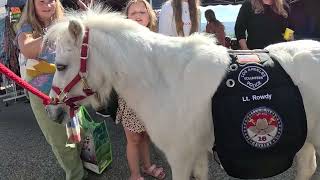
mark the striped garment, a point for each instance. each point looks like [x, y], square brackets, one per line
[73, 130]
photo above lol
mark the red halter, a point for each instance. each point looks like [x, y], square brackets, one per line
[62, 95]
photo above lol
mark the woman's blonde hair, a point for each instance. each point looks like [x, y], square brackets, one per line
[193, 11]
[277, 6]
[152, 15]
[29, 17]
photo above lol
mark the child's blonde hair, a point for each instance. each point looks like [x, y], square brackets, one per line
[152, 15]
[29, 17]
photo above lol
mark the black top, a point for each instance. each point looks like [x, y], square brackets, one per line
[304, 19]
[262, 29]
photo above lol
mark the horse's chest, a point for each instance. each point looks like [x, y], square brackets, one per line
[259, 118]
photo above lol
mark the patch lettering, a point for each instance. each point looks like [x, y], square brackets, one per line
[257, 97]
[262, 127]
[253, 77]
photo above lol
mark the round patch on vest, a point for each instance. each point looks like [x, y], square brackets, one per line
[253, 77]
[262, 127]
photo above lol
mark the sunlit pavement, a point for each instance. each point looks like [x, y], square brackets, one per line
[24, 153]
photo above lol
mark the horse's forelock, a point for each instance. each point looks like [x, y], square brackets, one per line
[95, 13]
[88, 18]
[56, 31]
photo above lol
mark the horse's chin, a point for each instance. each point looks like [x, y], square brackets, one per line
[94, 101]
[95, 104]
[57, 114]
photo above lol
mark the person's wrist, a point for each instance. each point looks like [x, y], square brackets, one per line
[83, 6]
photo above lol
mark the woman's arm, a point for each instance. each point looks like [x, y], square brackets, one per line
[241, 24]
[29, 46]
[243, 44]
[221, 35]
[84, 4]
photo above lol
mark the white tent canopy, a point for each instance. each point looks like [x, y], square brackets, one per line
[3, 3]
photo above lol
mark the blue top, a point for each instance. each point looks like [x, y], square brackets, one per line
[42, 80]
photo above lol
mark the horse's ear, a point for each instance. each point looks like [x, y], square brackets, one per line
[76, 29]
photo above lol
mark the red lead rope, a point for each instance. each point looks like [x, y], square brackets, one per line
[7, 72]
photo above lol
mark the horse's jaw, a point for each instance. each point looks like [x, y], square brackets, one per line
[101, 96]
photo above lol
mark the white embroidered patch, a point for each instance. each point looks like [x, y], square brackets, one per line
[262, 127]
[253, 77]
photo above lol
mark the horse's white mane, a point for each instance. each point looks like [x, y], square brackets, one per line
[104, 19]
[95, 17]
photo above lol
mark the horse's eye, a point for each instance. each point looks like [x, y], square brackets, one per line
[61, 67]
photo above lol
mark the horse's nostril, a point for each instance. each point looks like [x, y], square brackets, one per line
[56, 114]
[60, 115]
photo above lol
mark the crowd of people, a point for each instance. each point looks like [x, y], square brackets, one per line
[259, 24]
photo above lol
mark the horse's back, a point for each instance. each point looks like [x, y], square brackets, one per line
[301, 60]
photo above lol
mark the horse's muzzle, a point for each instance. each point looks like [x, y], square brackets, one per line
[56, 113]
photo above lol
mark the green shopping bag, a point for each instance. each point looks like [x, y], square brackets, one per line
[96, 152]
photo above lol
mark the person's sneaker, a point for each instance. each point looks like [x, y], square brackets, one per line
[103, 113]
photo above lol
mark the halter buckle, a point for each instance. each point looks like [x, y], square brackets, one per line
[63, 96]
[54, 101]
[83, 75]
[85, 83]
[86, 47]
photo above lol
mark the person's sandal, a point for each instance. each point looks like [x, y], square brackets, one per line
[139, 178]
[155, 172]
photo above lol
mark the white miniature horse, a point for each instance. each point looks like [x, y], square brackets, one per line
[169, 83]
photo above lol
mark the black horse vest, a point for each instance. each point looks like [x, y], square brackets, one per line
[259, 118]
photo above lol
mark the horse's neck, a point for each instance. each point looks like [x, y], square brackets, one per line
[134, 70]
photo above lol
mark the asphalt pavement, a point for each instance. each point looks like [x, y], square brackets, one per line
[25, 154]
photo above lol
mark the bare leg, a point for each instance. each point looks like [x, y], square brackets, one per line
[133, 154]
[306, 162]
[145, 151]
[149, 169]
